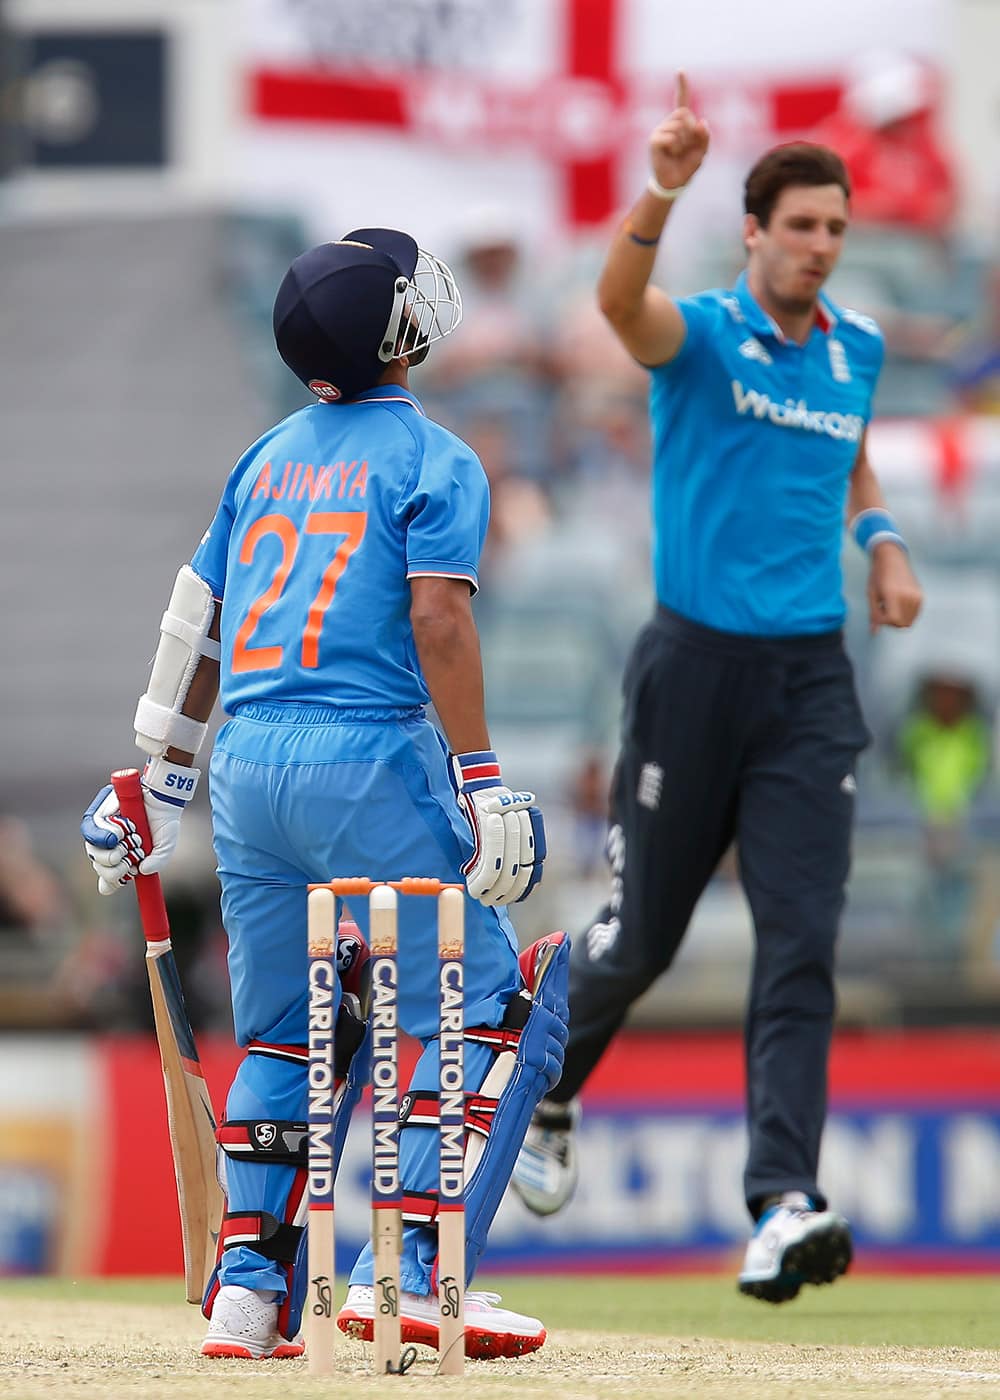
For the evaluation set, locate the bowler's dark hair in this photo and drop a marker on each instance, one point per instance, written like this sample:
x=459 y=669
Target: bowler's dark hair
x=797 y=163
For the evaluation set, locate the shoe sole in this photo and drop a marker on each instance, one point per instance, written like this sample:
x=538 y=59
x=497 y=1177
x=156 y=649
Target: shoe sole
x=542 y=1202
x=538 y=1205
x=820 y=1258
x=242 y=1353
x=480 y=1345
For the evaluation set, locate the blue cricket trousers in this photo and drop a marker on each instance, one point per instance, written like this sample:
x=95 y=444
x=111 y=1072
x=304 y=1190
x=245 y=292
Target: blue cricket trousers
x=303 y=793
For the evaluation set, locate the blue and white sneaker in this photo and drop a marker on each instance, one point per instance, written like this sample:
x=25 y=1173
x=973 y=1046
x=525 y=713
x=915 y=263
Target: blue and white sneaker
x=794 y=1243
x=546 y=1170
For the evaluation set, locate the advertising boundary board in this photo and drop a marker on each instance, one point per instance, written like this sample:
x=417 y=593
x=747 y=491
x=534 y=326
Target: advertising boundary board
x=911 y=1155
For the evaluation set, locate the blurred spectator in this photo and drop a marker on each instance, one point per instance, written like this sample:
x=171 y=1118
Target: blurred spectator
x=32 y=901
x=884 y=130
x=601 y=461
x=600 y=431
x=99 y=984
x=945 y=747
x=102 y=979
x=975 y=368
x=588 y=795
x=56 y=968
x=503 y=328
x=519 y=508
x=500 y=364
x=68 y=960
x=587 y=356
x=903 y=267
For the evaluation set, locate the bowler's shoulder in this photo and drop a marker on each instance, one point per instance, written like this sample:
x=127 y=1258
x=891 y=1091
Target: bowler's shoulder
x=720 y=303
x=710 y=316
x=862 y=331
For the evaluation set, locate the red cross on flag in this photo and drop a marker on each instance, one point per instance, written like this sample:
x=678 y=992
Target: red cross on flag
x=545 y=105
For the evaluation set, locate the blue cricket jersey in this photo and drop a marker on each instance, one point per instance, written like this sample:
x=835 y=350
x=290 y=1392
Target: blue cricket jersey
x=754 y=438
x=322 y=523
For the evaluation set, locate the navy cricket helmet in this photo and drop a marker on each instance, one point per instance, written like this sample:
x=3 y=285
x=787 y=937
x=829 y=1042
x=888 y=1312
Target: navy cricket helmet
x=345 y=310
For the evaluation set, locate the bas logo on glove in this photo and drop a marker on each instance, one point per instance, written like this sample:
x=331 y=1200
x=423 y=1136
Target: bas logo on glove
x=508 y=833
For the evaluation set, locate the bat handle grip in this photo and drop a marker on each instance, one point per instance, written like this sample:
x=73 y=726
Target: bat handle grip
x=149 y=891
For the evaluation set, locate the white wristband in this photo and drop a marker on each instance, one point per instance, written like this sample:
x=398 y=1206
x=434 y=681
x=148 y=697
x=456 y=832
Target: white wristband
x=661 y=192
x=158 y=728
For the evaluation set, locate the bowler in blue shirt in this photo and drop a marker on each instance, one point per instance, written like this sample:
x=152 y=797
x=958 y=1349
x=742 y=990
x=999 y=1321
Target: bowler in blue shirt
x=741 y=722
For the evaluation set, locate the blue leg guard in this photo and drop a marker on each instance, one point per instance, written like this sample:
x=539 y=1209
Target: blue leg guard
x=263 y=1242
x=517 y=1088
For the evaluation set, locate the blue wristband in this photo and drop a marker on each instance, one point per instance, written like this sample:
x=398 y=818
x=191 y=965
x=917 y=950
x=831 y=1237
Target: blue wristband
x=874 y=527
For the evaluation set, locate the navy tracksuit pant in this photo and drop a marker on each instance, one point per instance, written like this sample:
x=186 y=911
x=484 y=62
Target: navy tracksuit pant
x=725 y=738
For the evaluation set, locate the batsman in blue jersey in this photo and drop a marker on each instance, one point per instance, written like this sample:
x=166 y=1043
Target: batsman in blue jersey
x=741 y=722
x=328 y=604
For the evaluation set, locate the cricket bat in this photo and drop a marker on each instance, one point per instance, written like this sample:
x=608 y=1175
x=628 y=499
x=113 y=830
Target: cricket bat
x=190 y=1119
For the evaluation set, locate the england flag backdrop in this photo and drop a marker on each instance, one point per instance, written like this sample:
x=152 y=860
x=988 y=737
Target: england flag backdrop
x=412 y=113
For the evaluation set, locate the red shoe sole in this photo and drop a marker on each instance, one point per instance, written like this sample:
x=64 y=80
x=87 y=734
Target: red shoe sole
x=480 y=1345
x=245 y=1354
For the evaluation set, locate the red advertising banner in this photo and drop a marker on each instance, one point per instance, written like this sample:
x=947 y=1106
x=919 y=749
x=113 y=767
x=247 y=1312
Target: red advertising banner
x=917 y=1114
x=911 y=1155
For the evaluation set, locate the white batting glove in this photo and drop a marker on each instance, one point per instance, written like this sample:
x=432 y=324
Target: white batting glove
x=111 y=840
x=507 y=831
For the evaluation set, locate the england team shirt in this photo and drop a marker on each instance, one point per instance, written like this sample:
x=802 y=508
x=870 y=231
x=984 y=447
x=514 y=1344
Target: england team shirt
x=754 y=439
x=322 y=523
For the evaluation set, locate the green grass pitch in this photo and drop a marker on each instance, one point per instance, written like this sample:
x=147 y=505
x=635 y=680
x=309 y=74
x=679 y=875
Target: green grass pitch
x=868 y=1310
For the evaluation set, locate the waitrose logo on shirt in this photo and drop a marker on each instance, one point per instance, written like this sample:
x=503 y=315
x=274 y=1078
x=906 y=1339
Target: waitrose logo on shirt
x=796 y=413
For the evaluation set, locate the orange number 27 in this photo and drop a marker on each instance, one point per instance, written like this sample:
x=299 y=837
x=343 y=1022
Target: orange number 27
x=351 y=524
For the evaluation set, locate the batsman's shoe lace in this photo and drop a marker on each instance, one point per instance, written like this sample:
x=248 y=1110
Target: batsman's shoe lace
x=794 y=1243
x=546 y=1170
x=490 y=1331
x=245 y=1324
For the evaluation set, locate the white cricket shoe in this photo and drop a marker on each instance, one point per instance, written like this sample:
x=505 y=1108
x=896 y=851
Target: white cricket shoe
x=794 y=1244
x=490 y=1331
x=245 y=1324
x=546 y=1170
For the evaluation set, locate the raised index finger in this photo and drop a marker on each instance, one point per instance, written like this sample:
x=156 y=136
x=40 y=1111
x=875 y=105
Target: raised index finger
x=682 y=90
